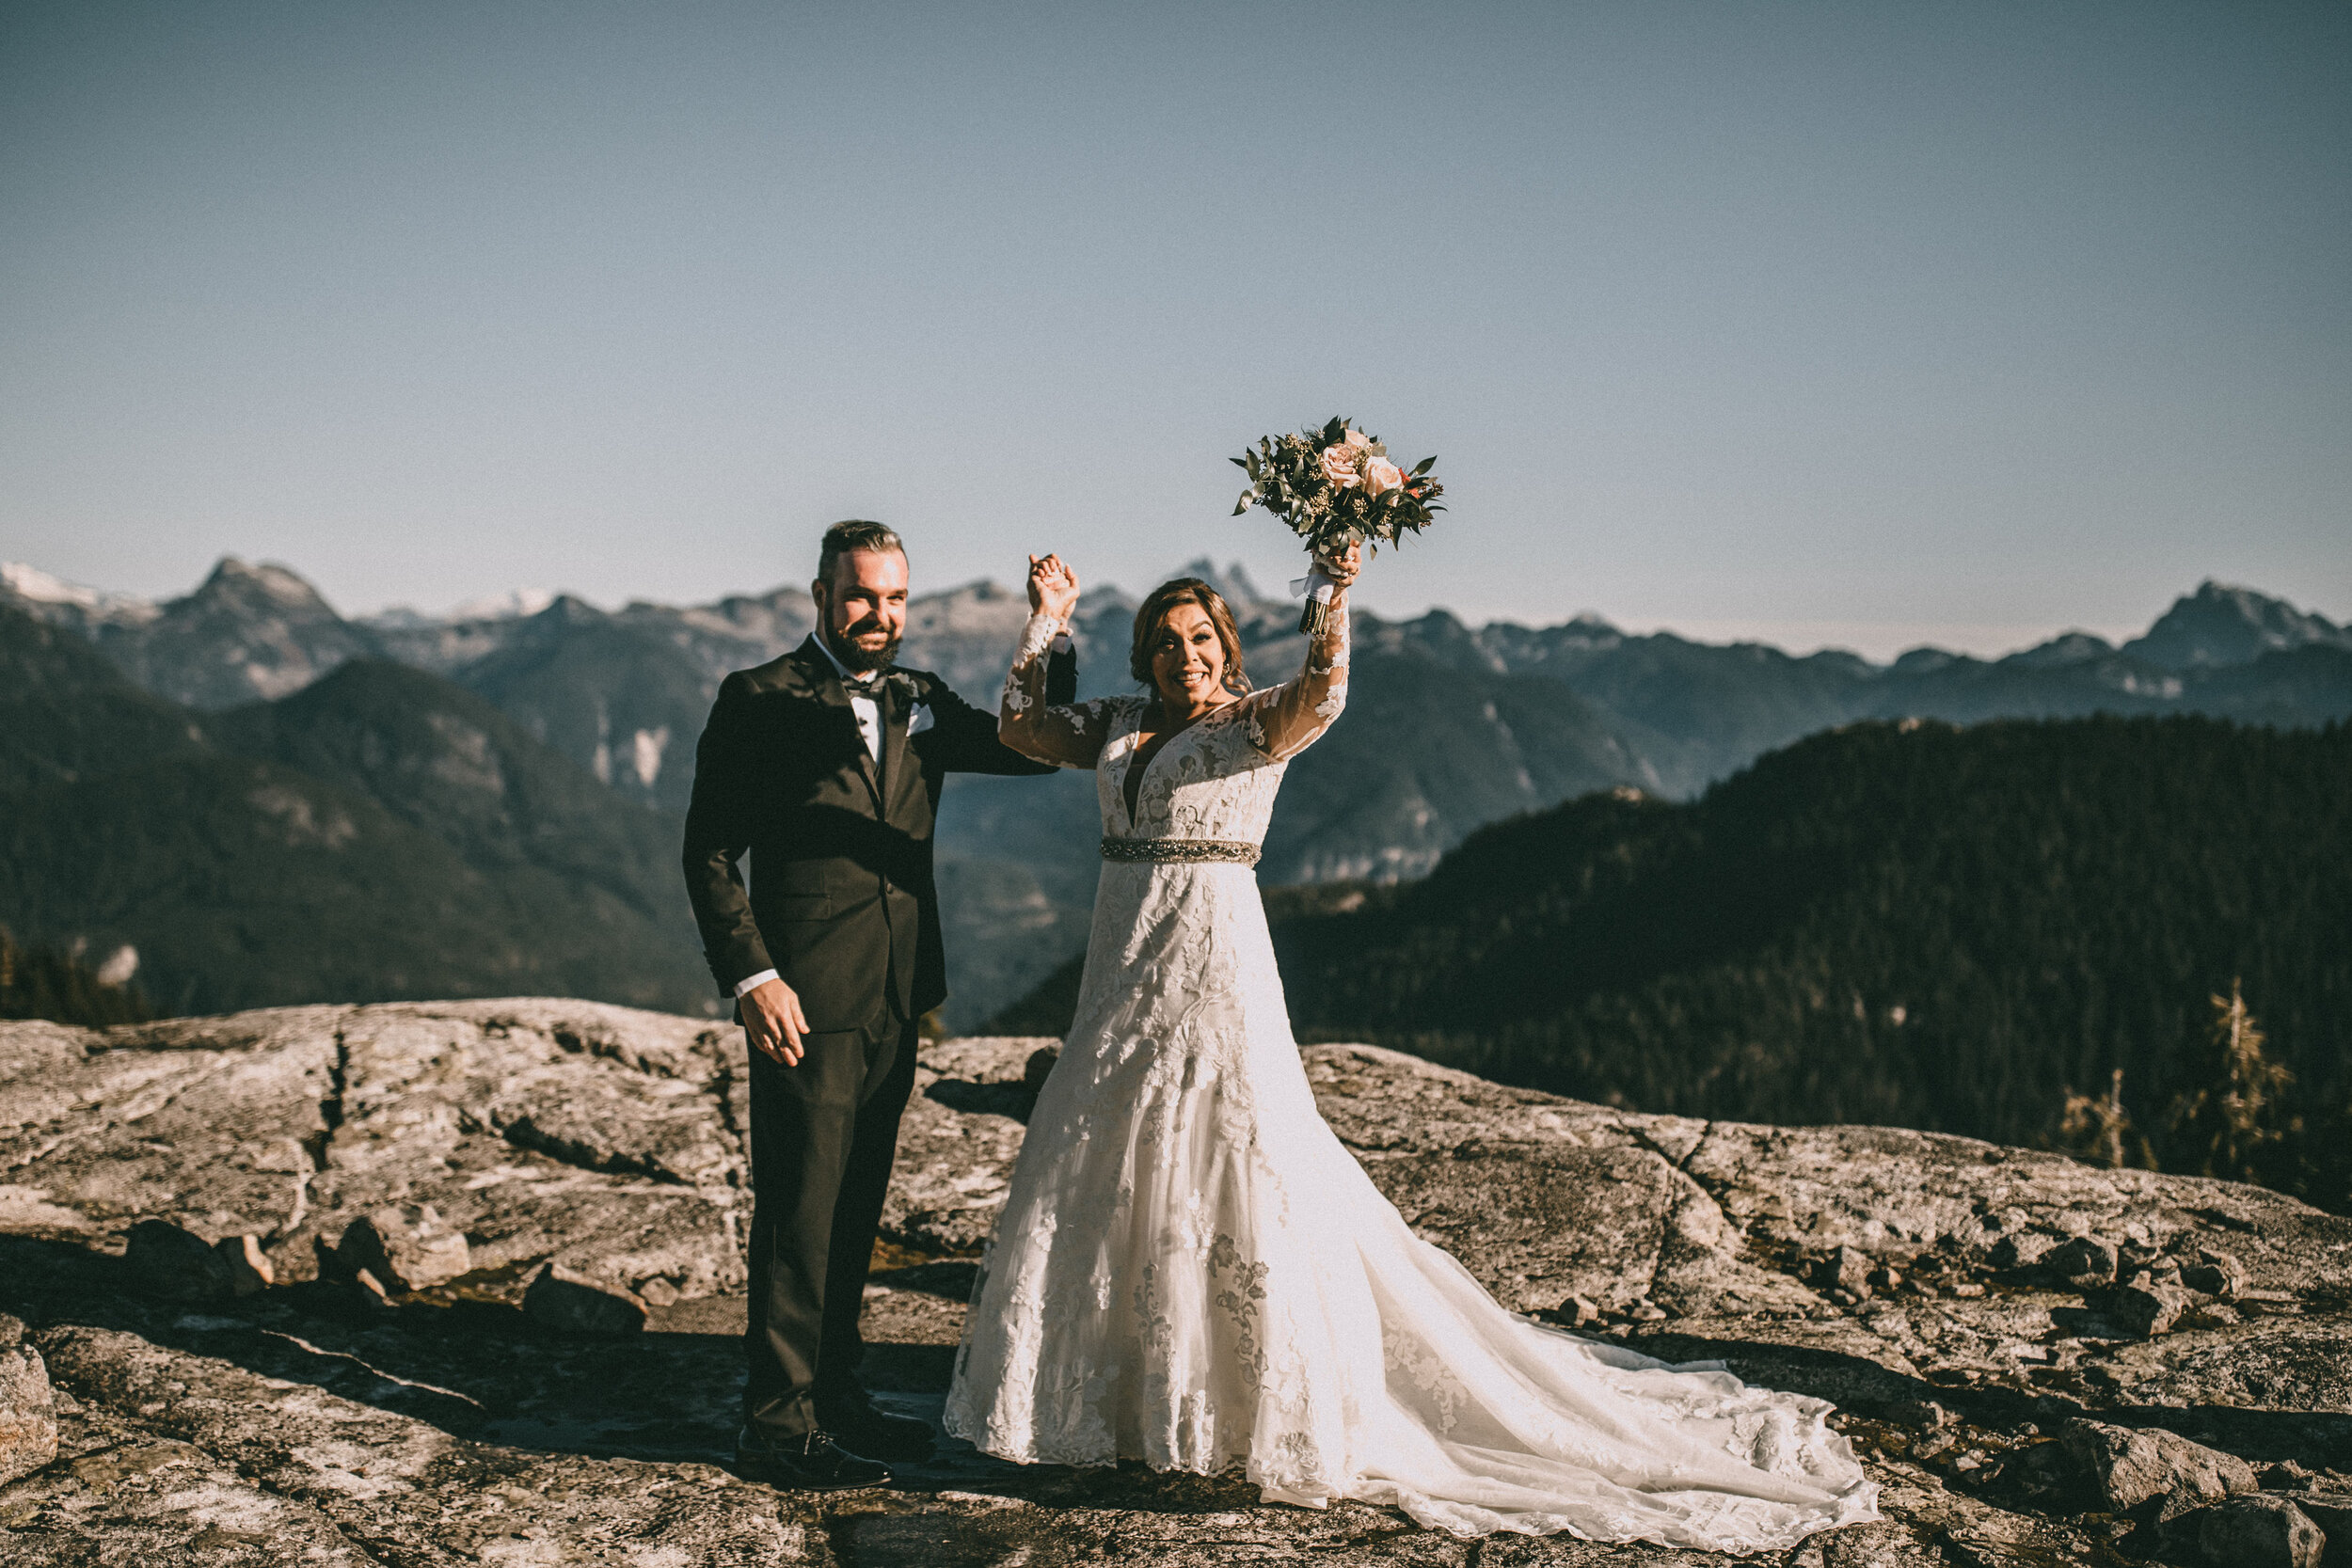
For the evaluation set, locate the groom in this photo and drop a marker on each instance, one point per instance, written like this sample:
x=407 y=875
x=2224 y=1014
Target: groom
x=826 y=766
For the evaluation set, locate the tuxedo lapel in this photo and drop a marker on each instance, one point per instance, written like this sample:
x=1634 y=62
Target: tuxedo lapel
x=825 y=681
x=898 y=710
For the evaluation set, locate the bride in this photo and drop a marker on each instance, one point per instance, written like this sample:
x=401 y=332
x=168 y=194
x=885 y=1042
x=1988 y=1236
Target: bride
x=1192 y=1271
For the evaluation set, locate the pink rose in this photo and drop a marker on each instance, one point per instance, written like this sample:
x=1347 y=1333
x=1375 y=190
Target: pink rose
x=1381 y=476
x=1339 y=466
x=1357 y=438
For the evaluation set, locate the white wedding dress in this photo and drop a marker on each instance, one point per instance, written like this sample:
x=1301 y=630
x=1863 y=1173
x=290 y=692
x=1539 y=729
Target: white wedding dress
x=1192 y=1271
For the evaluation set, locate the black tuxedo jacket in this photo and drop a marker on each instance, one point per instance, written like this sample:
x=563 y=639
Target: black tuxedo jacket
x=841 y=903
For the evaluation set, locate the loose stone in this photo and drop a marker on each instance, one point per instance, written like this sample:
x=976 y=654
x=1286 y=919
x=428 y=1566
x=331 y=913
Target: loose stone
x=405 y=1249
x=2084 y=1262
x=2145 y=1309
x=564 y=1301
x=2129 y=1465
x=2260 y=1532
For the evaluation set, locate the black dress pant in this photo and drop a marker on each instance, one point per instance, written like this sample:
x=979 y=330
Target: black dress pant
x=823 y=1135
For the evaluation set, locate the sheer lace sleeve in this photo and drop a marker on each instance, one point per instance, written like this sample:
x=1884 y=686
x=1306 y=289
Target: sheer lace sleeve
x=1284 y=719
x=1067 y=737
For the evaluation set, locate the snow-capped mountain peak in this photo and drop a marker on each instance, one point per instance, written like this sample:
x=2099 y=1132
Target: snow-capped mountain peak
x=2220 y=624
x=54 y=598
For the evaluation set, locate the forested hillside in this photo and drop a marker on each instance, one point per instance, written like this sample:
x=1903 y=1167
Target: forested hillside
x=1902 y=924
x=380 y=835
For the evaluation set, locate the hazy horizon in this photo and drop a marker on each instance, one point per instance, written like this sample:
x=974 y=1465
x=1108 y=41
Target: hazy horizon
x=1880 y=643
x=1819 y=323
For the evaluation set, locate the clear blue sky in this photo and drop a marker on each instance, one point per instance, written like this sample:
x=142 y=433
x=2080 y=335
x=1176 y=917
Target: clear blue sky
x=1868 y=324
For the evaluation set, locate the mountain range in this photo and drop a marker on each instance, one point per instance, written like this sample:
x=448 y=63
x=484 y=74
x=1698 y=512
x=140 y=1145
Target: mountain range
x=1449 y=726
x=379 y=834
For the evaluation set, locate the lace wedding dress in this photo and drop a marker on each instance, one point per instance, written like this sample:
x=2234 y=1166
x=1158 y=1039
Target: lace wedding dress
x=1191 y=1270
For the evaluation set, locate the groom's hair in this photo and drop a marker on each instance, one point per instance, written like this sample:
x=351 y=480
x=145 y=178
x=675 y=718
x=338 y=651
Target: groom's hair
x=1166 y=596
x=849 y=534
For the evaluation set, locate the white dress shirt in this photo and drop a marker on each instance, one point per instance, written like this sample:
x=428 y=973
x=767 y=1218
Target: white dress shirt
x=861 y=690
x=869 y=712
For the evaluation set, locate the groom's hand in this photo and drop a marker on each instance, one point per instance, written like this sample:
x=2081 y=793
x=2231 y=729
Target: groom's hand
x=773 y=1021
x=1052 y=588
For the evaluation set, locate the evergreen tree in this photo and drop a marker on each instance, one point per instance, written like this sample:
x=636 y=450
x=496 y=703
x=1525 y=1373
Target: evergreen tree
x=2097 y=1130
x=2236 y=1123
x=44 y=983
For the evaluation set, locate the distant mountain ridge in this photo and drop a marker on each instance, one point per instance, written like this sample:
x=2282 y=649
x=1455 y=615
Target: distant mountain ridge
x=246 y=633
x=1449 y=727
x=2219 y=625
x=379 y=834
x=1698 y=712
x=260 y=631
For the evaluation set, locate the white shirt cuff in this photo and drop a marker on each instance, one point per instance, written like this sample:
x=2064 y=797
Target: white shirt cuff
x=753 y=982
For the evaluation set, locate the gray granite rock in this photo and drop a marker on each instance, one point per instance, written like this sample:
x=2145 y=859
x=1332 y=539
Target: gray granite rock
x=2145 y=1309
x=2129 y=1466
x=534 y=1127
x=400 y=1489
x=28 y=1413
x=2329 y=1507
x=602 y=1151
x=406 y=1248
x=2215 y=1273
x=2085 y=1260
x=957 y=1144
x=124 y=1495
x=2021 y=1249
x=2259 y=1532
x=1846 y=1269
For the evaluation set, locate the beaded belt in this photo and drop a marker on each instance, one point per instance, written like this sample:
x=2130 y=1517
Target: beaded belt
x=1179 y=850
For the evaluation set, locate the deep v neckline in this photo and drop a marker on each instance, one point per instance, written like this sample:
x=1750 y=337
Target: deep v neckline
x=1138 y=766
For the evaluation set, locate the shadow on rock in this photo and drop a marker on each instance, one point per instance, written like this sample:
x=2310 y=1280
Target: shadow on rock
x=1013 y=1101
x=477 y=1369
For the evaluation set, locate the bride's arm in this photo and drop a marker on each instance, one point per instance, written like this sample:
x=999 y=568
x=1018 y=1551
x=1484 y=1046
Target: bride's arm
x=1286 y=719
x=1070 y=736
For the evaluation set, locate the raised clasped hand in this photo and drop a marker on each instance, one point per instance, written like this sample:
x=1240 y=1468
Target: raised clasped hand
x=1052 y=588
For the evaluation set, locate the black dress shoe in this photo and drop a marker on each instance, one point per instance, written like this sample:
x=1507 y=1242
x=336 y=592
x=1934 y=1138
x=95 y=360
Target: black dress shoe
x=812 y=1464
x=853 y=1418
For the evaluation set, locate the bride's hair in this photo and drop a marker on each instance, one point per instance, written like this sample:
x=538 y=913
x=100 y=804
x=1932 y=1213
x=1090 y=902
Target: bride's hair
x=1166 y=596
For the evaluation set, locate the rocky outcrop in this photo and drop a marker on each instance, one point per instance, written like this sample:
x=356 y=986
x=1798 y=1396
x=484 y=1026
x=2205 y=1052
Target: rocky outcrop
x=432 y=1142
x=436 y=1283
x=29 y=1421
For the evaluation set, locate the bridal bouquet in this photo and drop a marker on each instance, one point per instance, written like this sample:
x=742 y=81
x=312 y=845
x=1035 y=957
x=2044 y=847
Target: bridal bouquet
x=1336 y=487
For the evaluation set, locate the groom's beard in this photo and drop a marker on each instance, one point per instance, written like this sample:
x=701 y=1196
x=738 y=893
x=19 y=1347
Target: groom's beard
x=858 y=660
